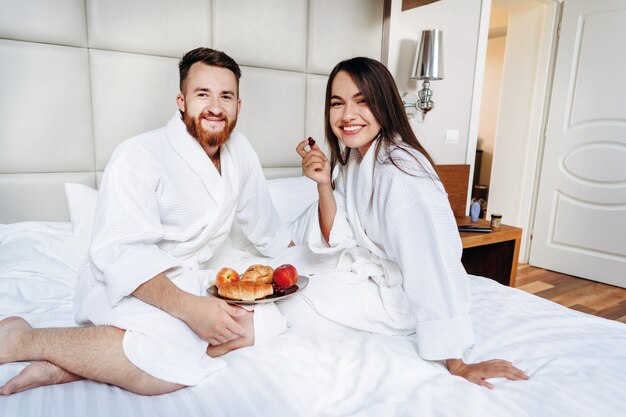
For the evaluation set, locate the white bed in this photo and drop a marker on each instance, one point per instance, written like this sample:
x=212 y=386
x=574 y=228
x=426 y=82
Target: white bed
x=576 y=362
x=103 y=59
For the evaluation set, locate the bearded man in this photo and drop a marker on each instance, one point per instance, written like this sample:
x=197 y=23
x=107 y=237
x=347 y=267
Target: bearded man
x=167 y=201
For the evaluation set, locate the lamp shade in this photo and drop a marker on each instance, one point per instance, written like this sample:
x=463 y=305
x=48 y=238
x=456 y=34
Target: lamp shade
x=429 y=56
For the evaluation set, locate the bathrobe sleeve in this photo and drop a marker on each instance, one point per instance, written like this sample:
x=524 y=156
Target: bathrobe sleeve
x=422 y=238
x=127 y=225
x=306 y=229
x=256 y=213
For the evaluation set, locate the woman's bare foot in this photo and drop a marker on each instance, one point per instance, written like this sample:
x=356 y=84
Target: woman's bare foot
x=246 y=321
x=37 y=374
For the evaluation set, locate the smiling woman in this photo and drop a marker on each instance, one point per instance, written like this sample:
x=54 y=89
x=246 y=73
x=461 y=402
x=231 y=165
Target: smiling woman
x=388 y=208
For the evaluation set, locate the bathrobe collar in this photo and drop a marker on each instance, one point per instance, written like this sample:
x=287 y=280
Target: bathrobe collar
x=188 y=148
x=360 y=193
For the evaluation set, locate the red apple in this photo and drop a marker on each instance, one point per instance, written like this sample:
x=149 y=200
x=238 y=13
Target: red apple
x=226 y=276
x=285 y=276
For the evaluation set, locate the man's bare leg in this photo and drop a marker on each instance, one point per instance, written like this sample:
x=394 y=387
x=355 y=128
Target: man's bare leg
x=90 y=352
x=247 y=322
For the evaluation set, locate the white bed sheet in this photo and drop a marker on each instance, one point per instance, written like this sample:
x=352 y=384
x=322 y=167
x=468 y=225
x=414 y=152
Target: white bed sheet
x=576 y=362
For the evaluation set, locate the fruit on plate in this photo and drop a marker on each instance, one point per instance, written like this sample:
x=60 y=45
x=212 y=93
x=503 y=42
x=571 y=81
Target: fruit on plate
x=285 y=276
x=226 y=276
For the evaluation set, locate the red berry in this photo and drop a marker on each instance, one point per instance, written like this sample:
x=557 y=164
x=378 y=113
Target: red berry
x=277 y=289
x=311 y=142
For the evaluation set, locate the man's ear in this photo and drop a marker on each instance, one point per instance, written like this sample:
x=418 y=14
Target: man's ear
x=238 y=105
x=180 y=102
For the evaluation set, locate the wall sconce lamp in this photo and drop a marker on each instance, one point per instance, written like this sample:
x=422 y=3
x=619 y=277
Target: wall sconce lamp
x=428 y=66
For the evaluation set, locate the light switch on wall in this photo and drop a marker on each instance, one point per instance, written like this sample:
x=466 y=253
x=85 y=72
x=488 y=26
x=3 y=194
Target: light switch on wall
x=452 y=136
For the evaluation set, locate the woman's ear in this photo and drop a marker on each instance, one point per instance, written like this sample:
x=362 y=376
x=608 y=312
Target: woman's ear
x=180 y=102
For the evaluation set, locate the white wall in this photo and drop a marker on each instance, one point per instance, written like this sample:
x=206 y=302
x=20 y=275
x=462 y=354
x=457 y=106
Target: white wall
x=453 y=96
x=490 y=104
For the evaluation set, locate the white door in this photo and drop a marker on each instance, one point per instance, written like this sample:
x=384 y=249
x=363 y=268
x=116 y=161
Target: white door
x=580 y=222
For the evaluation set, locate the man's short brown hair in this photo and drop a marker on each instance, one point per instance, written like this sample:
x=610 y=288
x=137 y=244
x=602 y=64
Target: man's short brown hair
x=210 y=57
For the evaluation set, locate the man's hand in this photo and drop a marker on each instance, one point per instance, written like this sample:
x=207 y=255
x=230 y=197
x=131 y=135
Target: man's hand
x=210 y=318
x=214 y=320
x=247 y=322
x=479 y=372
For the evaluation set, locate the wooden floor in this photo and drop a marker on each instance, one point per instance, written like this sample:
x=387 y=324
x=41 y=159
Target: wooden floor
x=580 y=294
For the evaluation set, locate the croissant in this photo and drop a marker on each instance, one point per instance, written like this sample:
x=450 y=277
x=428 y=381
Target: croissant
x=245 y=291
x=258 y=273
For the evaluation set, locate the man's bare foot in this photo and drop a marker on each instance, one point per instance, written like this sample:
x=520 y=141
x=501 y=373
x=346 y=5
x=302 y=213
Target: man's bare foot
x=37 y=374
x=11 y=329
x=247 y=322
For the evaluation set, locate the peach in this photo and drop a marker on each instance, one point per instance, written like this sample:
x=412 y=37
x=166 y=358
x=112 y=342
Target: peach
x=226 y=276
x=285 y=276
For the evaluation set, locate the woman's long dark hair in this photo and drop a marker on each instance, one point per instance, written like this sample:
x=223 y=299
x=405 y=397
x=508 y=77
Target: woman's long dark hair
x=379 y=90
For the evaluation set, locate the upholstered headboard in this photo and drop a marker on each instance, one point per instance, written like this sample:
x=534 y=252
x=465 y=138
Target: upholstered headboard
x=79 y=76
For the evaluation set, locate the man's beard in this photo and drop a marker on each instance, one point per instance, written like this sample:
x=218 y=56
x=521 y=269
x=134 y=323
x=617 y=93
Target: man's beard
x=210 y=139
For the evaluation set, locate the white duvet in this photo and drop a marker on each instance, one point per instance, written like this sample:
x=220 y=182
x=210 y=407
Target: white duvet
x=576 y=362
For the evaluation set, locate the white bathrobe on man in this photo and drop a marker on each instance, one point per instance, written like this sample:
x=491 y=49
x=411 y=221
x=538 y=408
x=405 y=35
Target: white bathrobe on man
x=397 y=253
x=163 y=206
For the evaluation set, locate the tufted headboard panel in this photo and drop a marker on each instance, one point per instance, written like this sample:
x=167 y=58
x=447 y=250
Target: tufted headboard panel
x=77 y=77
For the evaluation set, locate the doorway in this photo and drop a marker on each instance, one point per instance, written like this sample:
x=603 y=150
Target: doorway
x=516 y=90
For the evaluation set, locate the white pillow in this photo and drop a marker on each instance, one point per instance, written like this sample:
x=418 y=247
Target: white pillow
x=291 y=196
x=81 y=201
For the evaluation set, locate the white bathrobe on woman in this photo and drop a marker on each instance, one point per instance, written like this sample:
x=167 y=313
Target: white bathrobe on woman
x=398 y=256
x=163 y=206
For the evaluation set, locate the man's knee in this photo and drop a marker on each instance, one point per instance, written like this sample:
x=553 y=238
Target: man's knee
x=142 y=383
